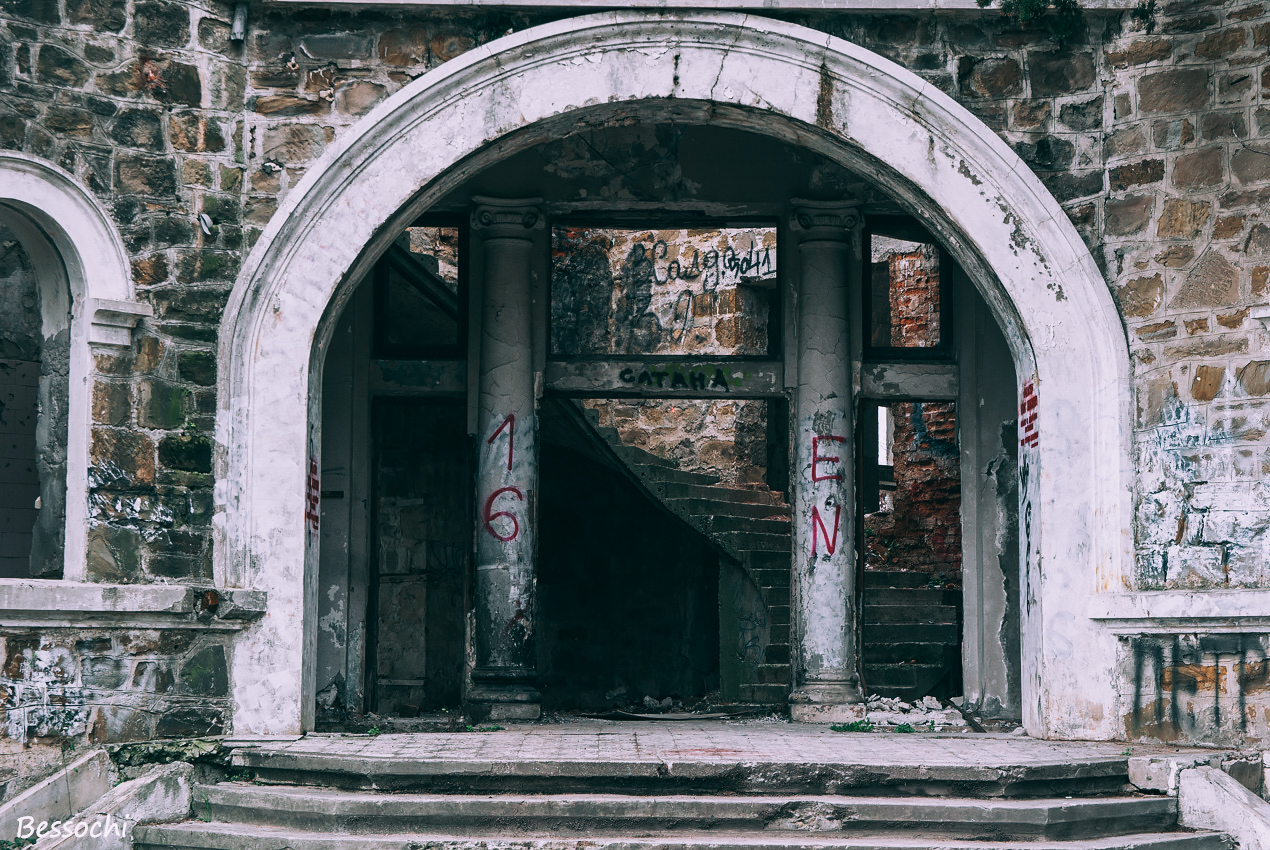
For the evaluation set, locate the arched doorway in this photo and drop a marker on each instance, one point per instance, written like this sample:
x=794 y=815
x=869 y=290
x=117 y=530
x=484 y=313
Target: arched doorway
x=763 y=76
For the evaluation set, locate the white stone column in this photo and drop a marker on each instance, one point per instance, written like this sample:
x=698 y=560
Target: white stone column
x=507 y=467
x=828 y=686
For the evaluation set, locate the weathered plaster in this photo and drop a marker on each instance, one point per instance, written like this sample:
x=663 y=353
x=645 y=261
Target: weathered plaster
x=941 y=163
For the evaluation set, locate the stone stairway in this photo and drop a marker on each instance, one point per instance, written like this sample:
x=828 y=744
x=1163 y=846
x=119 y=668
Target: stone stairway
x=749 y=524
x=381 y=797
x=911 y=645
x=911 y=632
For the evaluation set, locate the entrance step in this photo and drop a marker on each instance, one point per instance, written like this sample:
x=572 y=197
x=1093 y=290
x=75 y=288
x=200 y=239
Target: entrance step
x=910 y=614
x=671 y=490
x=903 y=680
x=201 y=836
x=944 y=633
x=911 y=653
x=712 y=507
x=895 y=578
x=719 y=523
x=334 y=810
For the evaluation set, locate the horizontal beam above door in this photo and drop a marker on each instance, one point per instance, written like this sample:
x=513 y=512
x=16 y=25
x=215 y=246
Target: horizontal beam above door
x=667 y=378
x=909 y=381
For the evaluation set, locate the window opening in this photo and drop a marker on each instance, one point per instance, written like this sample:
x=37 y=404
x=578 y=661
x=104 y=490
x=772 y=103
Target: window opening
x=907 y=304
x=420 y=295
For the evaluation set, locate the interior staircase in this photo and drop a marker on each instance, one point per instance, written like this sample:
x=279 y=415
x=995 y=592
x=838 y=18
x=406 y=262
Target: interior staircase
x=577 y=803
x=911 y=631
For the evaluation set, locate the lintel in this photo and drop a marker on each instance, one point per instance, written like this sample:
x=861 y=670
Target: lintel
x=70 y=604
x=1173 y=611
x=868 y=6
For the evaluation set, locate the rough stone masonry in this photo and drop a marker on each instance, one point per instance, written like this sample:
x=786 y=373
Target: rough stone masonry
x=1155 y=140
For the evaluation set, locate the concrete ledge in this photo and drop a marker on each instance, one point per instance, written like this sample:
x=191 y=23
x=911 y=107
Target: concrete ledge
x=67 y=603
x=1171 y=610
x=1210 y=799
x=59 y=796
x=764 y=5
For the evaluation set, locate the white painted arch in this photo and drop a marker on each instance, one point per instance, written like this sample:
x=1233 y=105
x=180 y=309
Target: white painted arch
x=734 y=70
x=85 y=283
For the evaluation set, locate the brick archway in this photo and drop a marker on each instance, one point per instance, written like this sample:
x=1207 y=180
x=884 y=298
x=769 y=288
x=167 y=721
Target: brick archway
x=734 y=70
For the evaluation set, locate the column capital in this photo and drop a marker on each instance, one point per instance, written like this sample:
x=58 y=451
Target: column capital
x=826 y=220
x=507 y=219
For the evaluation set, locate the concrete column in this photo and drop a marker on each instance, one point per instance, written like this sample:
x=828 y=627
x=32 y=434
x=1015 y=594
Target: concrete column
x=507 y=466
x=828 y=686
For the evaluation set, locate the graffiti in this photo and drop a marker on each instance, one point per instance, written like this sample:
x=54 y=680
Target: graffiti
x=490 y=514
x=312 y=495
x=817 y=458
x=831 y=541
x=690 y=380
x=1027 y=417
x=510 y=424
x=1184 y=683
x=708 y=267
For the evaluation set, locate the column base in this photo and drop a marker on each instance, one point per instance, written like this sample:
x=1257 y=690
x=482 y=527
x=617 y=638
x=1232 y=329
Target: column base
x=827 y=702
x=809 y=712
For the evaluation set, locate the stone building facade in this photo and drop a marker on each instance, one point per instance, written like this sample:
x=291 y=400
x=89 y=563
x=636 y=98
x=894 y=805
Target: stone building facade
x=196 y=210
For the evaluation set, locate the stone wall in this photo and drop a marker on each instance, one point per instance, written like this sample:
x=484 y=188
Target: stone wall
x=1154 y=140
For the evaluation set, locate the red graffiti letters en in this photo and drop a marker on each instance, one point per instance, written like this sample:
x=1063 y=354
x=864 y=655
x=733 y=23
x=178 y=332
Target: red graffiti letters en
x=510 y=424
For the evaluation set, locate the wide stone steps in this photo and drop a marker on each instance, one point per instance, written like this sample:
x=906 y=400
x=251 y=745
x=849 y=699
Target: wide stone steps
x=212 y=836
x=330 y=810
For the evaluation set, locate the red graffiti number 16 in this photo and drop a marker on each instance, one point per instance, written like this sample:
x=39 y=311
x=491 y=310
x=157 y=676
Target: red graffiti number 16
x=489 y=514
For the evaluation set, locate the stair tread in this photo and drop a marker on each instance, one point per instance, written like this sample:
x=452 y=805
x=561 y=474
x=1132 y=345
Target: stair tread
x=235 y=836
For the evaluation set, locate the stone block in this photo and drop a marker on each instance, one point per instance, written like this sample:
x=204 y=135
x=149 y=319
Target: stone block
x=67 y=121
x=1207 y=382
x=404 y=47
x=138 y=128
x=1047 y=152
x=1175 y=90
x=204 y=673
x=214 y=34
x=1066 y=186
x=112 y=403
x=287 y=106
x=1251 y=164
x=196 y=172
x=358 y=97
x=1085 y=115
x=989 y=78
x=205 y=304
x=1175 y=256
x=1129 y=215
x=1183 y=219
x=196 y=266
x=1029 y=114
x=1141 y=52
x=188 y=452
x=1059 y=73
x=161 y=405
x=335 y=46
x=1141 y=296
x=446 y=45
x=145 y=175
x=12 y=132
x=121 y=459
x=1196 y=566
x=113 y=554
x=161 y=24
x=190 y=723
x=193 y=133
x=294 y=143
x=1194 y=23
x=104 y=673
x=1215 y=45
x=1199 y=170
x=56 y=66
x=1160 y=773
x=1223 y=125
x=1157 y=331
x=1136 y=174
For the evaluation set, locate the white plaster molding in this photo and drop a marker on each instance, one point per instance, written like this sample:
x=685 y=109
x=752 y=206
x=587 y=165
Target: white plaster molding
x=741 y=71
x=78 y=257
x=1180 y=611
x=1262 y=315
x=113 y=321
x=67 y=604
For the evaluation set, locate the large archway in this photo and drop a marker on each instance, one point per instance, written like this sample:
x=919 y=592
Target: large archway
x=782 y=80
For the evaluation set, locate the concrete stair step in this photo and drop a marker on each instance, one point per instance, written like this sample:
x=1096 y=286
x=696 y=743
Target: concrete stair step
x=722 y=523
x=770 y=694
x=671 y=474
x=772 y=674
x=915 y=678
x=911 y=596
x=740 y=541
x=720 y=507
x=233 y=836
x=333 y=810
x=677 y=490
x=921 y=653
x=878 y=633
x=895 y=578
x=910 y=614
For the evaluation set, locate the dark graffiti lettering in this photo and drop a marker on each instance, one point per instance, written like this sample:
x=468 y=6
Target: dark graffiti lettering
x=698 y=380
x=627 y=376
x=719 y=381
x=678 y=381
